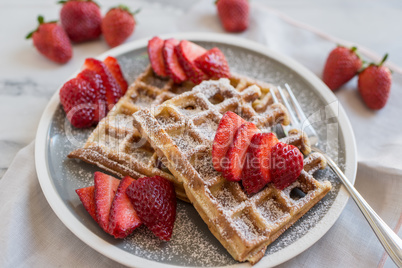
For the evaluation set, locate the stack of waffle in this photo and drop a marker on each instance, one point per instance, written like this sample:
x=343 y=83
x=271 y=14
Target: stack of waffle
x=173 y=136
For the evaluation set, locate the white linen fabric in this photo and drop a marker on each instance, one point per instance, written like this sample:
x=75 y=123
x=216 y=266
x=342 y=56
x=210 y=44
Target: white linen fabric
x=32 y=235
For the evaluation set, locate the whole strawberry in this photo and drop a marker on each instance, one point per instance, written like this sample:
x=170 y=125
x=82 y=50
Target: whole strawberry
x=81 y=19
x=154 y=200
x=51 y=41
x=117 y=25
x=234 y=14
x=375 y=85
x=341 y=66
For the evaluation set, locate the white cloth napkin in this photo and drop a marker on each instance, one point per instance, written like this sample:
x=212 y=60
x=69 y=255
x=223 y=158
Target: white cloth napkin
x=32 y=235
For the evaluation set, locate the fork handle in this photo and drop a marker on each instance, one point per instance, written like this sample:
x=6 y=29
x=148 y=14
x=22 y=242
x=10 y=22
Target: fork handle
x=388 y=238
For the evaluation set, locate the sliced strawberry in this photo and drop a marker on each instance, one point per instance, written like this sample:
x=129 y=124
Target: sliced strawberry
x=87 y=197
x=105 y=190
x=256 y=171
x=154 y=199
x=286 y=163
x=114 y=67
x=95 y=80
x=213 y=63
x=225 y=133
x=236 y=155
x=173 y=67
x=123 y=219
x=113 y=90
x=155 y=55
x=78 y=98
x=187 y=52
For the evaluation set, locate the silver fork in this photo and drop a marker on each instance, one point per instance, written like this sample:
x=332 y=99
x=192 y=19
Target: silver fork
x=390 y=241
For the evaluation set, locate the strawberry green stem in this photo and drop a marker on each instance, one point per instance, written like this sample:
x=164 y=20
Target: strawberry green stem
x=383 y=59
x=41 y=20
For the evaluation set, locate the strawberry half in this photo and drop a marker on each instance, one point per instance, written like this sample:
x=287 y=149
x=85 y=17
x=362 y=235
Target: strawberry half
x=225 y=133
x=256 y=171
x=87 y=197
x=236 y=154
x=105 y=190
x=155 y=46
x=213 y=63
x=123 y=219
x=173 y=67
x=286 y=163
x=187 y=52
x=95 y=80
x=154 y=199
x=114 y=67
x=113 y=90
x=78 y=98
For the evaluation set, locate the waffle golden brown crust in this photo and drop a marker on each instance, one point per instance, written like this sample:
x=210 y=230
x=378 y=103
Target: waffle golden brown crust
x=245 y=225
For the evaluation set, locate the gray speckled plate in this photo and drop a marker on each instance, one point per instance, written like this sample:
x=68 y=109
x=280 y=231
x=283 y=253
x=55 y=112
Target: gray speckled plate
x=192 y=244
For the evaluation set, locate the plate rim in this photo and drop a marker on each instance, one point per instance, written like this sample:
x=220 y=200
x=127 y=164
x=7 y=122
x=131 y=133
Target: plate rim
x=126 y=258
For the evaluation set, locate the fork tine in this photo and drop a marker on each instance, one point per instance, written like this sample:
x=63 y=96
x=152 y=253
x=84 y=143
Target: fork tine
x=274 y=97
x=293 y=117
x=303 y=119
x=280 y=130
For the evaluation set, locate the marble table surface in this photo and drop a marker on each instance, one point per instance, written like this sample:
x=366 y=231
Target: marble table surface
x=28 y=80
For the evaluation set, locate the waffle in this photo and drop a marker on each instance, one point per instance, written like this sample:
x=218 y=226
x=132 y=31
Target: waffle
x=117 y=147
x=245 y=225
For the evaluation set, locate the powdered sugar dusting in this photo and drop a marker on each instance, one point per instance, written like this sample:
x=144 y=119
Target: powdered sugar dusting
x=186 y=141
x=226 y=199
x=203 y=165
x=165 y=121
x=207 y=128
x=271 y=210
x=246 y=227
x=143 y=101
x=192 y=243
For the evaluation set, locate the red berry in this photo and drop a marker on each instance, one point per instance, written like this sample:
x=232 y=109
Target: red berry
x=51 y=41
x=105 y=190
x=375 y=85
x=113 y=90
x=117 y=25
x=95 y=80
x=173 y=67
x=78 y=97
x=286 y=164
x=155 y=46
x=236 y=155
x=187 y=52
x=114 y=67
x=213 y=63
x=234 y=14
x=87 y=197
x=123 y=219
x=154 y=199
x=341 y=66
x=81 y=20
x=225 y=133
x=256 y=171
